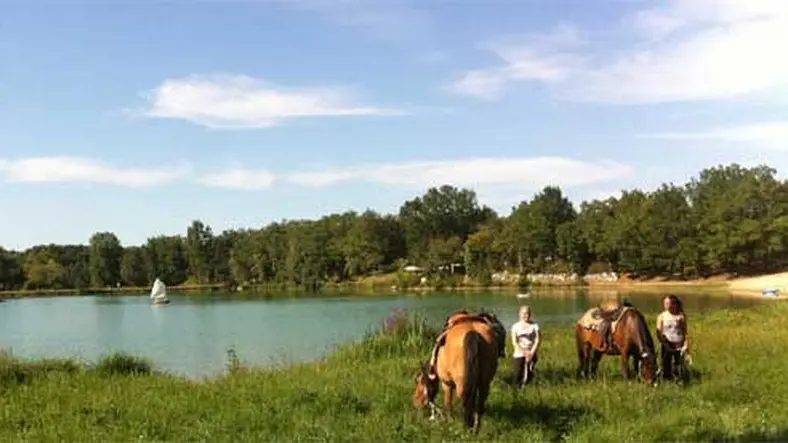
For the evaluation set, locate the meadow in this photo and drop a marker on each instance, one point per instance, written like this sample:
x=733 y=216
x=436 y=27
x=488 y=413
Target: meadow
x=362 y=392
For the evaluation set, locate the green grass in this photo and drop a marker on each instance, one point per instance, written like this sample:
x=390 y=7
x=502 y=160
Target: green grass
x=363 y=393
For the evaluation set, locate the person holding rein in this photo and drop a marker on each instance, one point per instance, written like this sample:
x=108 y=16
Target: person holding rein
x=672 y=334
x=526 y=339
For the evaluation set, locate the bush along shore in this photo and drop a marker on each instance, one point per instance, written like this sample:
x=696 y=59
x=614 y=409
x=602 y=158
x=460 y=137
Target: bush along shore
x=362 y=392
x=729 y=220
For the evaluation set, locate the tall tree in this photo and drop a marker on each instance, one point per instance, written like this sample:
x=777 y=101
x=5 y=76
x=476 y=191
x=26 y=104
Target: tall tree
x=11 y=274
x=132 y=267
x=106 y=253
x=199 y=251
x=441 y=213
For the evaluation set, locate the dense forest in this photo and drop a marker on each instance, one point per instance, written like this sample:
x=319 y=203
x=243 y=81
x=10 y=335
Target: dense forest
x=728 y=219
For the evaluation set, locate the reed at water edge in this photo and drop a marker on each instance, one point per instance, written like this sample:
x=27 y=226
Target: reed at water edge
x=362 y=392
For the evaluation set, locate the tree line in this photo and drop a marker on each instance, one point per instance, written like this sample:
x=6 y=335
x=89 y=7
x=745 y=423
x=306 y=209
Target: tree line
x=728 y=219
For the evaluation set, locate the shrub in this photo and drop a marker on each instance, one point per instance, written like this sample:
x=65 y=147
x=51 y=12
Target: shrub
x=122 y=364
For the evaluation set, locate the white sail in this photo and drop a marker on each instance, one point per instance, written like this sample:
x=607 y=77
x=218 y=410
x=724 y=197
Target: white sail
x=159 y=291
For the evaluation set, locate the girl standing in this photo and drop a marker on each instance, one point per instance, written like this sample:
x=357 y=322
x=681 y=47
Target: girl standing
x=672 y=334
x=525 y=338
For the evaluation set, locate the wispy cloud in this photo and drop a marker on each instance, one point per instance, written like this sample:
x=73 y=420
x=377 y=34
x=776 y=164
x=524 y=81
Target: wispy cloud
x=536 y=57
x=85 y=170
x=384 y=19
x=500 y=182
x=523 y=172
x=238 y=178
x=237 y=101
x=771 y=135
x=687 y=50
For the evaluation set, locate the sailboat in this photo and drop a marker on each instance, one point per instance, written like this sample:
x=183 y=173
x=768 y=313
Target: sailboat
x=158 y=293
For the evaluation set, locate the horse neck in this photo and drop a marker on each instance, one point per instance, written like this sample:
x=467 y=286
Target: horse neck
x=639 y=328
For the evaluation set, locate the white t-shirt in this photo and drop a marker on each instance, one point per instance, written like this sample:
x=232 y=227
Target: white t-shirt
x=672 y=327
x=525 y=336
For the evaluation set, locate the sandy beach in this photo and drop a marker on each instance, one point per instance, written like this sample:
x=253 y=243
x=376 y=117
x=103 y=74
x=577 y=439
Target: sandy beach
x=754 y=285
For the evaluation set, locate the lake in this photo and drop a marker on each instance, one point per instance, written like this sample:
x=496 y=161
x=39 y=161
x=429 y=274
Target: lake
x=192 y=334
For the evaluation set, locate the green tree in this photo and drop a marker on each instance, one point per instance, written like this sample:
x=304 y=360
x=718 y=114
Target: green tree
x=43 y=271
x=482 y=253
x=199 y=251
x=165 y=258
x=11 y=274
x=440 y=213
x=105 y=255
x=132 y=267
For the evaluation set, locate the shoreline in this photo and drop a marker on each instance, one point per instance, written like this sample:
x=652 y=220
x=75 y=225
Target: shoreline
x=745 y=286
x=123 y=290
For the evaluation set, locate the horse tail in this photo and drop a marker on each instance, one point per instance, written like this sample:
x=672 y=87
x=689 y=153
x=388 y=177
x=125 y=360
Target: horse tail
x=472 y=343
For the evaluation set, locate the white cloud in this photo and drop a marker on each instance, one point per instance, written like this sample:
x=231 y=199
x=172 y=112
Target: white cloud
x=236 y=101
x=238 y=178
x=535 y=57
x=689 y=50
x=520 y=172
x=772 y=135
x=678 y=15
x=85 y=170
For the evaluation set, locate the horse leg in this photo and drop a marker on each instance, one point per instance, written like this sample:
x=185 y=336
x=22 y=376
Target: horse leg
x=594 y=362
x=583 y=351
x=636 y=364
x=448 y=392
x=481 y=401
x=625 y=364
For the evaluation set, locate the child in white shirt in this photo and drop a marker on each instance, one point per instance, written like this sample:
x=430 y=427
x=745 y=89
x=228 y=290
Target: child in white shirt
x=525 y=340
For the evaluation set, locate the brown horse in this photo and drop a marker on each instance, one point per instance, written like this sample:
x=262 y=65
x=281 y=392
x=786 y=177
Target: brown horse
x=466 y=363
x=630 y=339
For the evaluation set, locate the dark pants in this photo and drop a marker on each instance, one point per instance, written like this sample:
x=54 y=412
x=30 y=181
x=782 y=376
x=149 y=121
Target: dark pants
x=519 y=369
x=671 y=361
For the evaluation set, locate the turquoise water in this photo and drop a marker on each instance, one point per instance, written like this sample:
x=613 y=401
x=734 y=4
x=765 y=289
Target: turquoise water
x=192 y=334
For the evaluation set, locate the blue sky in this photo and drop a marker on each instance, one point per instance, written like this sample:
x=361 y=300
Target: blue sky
x=138 y=117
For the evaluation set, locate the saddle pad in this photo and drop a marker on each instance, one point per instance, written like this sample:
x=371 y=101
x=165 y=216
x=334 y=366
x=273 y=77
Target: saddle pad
x=590 y=320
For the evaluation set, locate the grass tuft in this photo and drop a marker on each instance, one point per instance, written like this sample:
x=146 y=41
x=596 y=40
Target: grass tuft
x=122 y=364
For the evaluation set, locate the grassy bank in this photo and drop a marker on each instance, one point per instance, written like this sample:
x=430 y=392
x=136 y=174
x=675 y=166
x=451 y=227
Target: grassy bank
x=362 y=393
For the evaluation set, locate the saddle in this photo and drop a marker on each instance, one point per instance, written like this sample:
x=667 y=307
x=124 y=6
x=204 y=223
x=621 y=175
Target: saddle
x=595 y=317
x=465 y=317
x=603 y=320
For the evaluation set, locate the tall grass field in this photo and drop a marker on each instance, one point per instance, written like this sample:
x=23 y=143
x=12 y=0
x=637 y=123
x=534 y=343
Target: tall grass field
x=362 y=392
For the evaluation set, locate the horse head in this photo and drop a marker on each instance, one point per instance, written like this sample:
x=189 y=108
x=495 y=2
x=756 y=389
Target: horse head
x=648 y=367
x=426 y=389
x=499 y=328
x=647 y=353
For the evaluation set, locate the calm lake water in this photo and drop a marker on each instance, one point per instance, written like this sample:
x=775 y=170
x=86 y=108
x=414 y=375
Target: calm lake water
x=192 y=334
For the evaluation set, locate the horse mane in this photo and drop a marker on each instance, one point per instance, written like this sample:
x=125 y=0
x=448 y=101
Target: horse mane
x=643 y=329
